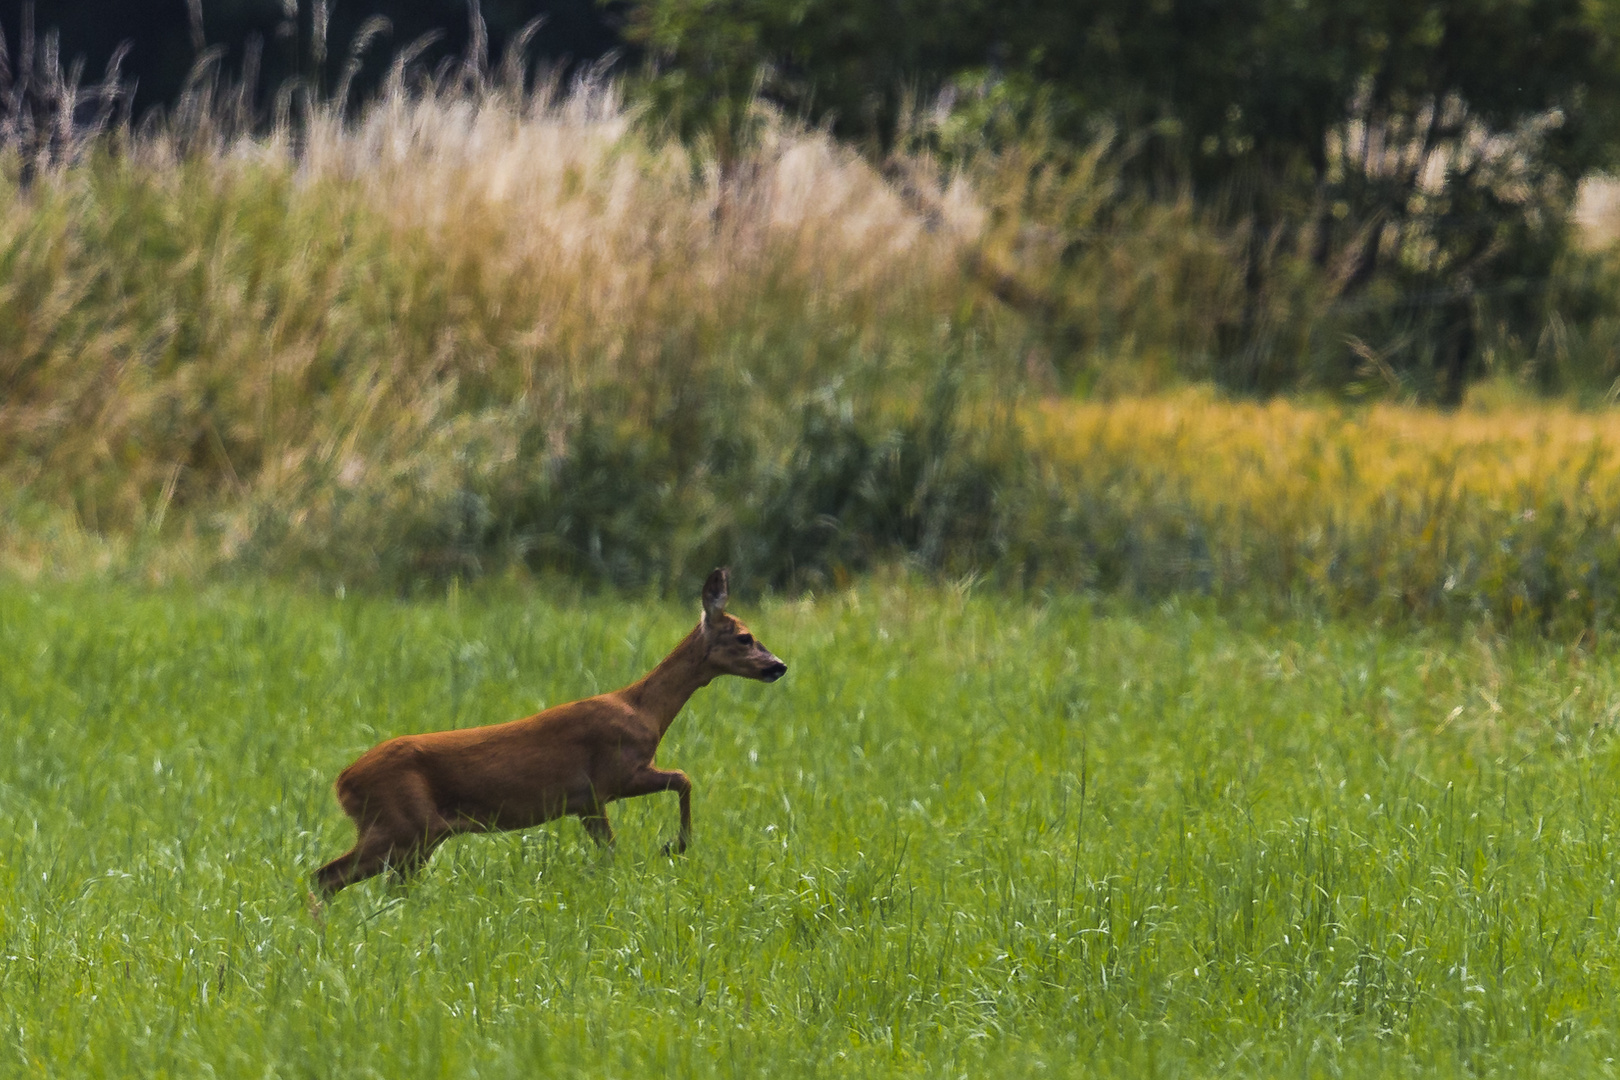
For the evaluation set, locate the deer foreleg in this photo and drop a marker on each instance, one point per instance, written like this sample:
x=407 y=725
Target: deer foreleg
x=650 y=781
x=598 y=827
x=684 y=837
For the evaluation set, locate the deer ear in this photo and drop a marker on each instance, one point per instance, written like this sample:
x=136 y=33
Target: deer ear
x=715 y=592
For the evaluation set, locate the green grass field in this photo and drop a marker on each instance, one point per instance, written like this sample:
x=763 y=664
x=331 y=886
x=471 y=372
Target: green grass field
x=967 y=835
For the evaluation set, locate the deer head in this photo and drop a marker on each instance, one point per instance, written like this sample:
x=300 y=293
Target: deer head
x=730 y=647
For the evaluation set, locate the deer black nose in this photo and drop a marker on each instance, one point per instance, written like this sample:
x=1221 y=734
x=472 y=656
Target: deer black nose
x=775 y=670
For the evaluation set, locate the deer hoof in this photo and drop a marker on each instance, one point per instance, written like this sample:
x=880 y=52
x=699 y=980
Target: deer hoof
x=675 y=847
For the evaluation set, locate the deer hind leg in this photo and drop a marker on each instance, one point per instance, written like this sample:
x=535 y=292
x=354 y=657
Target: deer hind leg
x=405 y=863
x=368 y=858
x=397 y=832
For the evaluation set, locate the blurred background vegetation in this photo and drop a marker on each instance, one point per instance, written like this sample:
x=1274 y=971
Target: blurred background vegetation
x=1145 y=297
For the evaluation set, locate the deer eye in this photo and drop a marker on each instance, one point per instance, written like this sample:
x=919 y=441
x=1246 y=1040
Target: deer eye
x=745 y=639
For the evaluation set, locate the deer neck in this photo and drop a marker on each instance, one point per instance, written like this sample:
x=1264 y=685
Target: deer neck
x=661 y=694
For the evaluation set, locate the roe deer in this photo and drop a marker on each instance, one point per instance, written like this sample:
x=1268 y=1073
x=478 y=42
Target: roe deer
x=410 y=794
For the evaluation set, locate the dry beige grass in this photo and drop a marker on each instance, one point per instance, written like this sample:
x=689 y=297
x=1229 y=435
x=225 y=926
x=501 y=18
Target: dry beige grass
x=250 y=323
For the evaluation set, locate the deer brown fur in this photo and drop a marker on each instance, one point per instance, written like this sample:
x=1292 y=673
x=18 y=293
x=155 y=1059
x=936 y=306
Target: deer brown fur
x=411 y=793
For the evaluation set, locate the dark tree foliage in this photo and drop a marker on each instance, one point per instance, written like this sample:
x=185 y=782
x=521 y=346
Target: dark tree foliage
x=1245 y=85
x=163 y=37
x=1427 y=147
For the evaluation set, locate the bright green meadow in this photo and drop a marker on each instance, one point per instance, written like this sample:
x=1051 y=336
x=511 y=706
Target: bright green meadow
x=967 y=835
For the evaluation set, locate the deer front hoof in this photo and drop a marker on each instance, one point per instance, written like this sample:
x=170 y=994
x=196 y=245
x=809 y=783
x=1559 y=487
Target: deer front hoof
x=675 y=847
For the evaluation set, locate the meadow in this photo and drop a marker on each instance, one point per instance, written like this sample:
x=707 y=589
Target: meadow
x=968 y=834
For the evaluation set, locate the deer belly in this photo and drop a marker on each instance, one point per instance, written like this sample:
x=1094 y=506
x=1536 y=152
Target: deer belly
x=517 y=806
